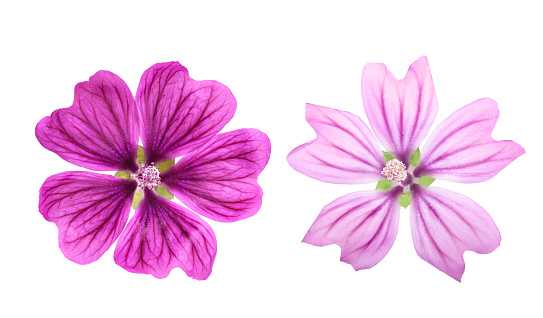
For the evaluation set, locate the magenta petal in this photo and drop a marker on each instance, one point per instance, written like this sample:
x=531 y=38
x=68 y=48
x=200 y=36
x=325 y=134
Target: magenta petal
x=179 y=114
x=100 y=130
x=461 y=148
x=89 y=209
x=400 y=112
x=163 y=235
x=445 y=224
x=364 y=224
x=219 y=180
x=345 y=150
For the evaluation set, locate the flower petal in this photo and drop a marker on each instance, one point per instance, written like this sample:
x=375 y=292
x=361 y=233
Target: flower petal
x=461 y=148
x=445 y=224
x=163 y=235
x=89 y=209
x=400 y=112
x=219 y=180
x=364 y=224
x=100 y=130
x=345 y=151
x=179 y=114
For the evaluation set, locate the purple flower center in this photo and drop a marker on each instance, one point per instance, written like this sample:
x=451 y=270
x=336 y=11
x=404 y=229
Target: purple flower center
x=408 y=180
x=148 y=176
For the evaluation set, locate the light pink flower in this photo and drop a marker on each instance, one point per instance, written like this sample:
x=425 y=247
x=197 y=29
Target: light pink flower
x=444 y=224
x=175 y=116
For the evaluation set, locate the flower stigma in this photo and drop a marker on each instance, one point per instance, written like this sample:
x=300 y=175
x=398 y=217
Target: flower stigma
x=148 y=176
x=395 y=170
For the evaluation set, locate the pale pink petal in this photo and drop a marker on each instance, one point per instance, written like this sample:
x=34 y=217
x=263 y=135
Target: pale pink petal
x=89 y=209
x=219 y=180
x=100 y=131
x=163 y=235
x=445 y=224
x=345 y=151
x=178 y=113
x=462 y=149
x=364 y=224
x=400 y=112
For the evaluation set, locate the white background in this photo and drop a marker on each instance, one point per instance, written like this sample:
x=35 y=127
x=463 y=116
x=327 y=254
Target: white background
x=275 y=58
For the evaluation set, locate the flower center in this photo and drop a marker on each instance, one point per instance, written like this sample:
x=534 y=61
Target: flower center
x=395 y=170
x=148 y=176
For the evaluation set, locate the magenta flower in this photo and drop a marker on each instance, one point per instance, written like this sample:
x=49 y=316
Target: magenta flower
x=444 y=224
x=175 y=116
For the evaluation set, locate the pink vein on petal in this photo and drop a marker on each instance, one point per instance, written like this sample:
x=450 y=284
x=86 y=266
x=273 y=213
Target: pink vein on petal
x=400 y=112
x=461 y=148
x=445 y=224
x=178 y=113
x=364 y=224
x=163 y=235
x=89 y=209
x=219 y=180
x=345 y=150
x=100 y=130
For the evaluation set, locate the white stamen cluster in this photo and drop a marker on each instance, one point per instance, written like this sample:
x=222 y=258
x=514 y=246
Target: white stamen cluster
x=148 y=176
x=395 y=170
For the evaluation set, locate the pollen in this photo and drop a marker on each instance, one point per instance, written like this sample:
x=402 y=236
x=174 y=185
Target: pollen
x=148 y=176
x=395 y=170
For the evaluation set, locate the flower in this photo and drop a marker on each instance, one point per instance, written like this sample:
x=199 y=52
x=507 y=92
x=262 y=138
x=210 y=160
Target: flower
x=175 y=116
x=444 y=224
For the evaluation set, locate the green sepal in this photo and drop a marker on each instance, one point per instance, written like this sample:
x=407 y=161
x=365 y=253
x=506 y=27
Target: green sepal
x=388 y=156
x=123 y=174
x=405 y=200
x=138 y=195
x=141 y=155
x=383 y=185
x=165 y=165
x=163 y=192
x=415 y=157
x=426 y=181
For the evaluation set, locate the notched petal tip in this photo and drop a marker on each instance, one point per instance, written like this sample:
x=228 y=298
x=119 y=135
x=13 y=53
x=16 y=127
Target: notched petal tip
x=162 y=236
x=180 y=114
x=461 y=148
x=89 y=209
x=344 y=152
x=445 y=224
x=219 y=180
x=99 y=131
x=363 y=224
x=400 y=112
